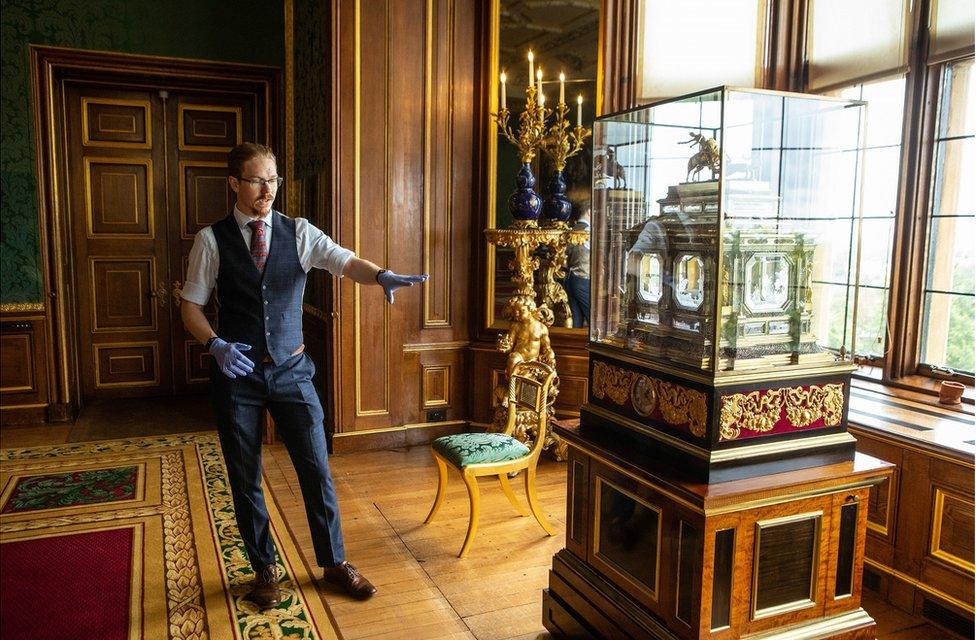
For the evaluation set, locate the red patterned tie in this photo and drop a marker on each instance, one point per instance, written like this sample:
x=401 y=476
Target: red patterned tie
x=259 y=244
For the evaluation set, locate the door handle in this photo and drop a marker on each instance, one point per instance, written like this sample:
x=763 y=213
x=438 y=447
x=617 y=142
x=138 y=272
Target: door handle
x=177 y=292
x=160 y=294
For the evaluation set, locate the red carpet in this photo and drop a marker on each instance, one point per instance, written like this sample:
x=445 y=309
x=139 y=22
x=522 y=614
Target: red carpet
x=78 y=584
x=137 y=540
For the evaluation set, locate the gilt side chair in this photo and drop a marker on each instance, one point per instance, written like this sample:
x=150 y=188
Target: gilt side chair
x=499 y=454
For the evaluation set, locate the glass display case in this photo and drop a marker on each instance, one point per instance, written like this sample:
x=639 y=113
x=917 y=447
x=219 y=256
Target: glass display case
x=726 y=230
x=713 y=489
x=724 y=252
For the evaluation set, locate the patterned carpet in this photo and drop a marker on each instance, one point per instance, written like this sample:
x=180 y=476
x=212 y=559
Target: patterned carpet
x=126 y=539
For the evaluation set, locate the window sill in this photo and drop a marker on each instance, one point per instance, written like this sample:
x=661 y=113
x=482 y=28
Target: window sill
x=913 y=417
x=913 y=386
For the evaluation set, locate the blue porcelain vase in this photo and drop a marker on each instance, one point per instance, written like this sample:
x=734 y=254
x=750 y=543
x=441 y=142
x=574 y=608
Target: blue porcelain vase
x=557 y=206
x=525 y=203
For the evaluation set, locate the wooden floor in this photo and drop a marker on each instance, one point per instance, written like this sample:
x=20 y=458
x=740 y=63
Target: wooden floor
x=425 y=591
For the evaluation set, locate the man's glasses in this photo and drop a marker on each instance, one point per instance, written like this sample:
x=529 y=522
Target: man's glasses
x=274 y=183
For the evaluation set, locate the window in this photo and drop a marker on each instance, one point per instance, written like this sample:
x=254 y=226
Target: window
x=881 y=155
x=692 y=45
x=915 y=293
x=917 y=202
x=946 y=336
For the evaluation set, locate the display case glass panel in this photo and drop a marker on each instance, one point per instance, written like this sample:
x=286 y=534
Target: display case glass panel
x=726 y=230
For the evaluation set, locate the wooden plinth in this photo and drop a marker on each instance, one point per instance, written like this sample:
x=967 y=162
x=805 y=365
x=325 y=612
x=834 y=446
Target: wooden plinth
x=651 y=554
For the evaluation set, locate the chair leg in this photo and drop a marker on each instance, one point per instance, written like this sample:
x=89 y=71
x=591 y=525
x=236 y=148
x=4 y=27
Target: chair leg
x=441 y=488
x=472 y=483
x=507 y=488
x=534 y=501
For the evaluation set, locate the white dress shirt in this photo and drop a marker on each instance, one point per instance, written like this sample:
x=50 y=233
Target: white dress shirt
x=315 y=250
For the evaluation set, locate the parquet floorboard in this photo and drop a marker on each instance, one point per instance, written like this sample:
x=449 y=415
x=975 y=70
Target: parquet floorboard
x=425 y=591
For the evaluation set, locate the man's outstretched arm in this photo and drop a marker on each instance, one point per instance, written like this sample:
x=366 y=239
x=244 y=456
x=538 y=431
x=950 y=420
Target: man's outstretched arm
x=366 y=272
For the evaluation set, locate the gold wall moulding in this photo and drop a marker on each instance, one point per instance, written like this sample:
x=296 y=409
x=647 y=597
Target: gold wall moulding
x=21 y=307
x=678 y=405
x=759 y=411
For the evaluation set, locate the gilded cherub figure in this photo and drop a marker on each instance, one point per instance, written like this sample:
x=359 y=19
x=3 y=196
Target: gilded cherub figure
x=527 y=340
x=528 y=337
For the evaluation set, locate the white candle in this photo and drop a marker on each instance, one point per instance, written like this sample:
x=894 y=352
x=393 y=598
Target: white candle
x=562 y=88
x=538 y=76
x=531 y=70
x=579 y=110
x=503 y=101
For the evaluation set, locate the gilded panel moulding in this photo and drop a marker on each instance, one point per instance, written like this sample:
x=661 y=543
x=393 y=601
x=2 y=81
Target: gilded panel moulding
x=21 y=307
x=760 y=412
x=677 y=405
x=680 y=406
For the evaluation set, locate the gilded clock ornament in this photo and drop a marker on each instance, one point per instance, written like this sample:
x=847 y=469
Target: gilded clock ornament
x=643 y=397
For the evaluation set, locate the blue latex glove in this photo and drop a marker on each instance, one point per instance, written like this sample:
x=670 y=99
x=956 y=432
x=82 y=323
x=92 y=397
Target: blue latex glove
x=391 y=282
x=229 y=358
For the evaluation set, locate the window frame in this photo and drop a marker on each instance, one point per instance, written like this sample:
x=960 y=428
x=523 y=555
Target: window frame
x=902 y=366
x=785 y=68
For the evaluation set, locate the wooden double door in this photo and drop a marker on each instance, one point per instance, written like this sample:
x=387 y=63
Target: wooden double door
x=146 y=170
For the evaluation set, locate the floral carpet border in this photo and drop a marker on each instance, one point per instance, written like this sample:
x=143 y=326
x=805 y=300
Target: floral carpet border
x=187 y=618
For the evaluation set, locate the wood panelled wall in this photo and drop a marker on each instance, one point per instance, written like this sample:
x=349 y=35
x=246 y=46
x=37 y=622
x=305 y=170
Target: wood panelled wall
x=920 y=527
x=24 y=368
x=404 y=84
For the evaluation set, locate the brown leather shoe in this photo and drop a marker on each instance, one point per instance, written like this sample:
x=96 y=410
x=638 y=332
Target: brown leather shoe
x=348 y=577
x=266 y=592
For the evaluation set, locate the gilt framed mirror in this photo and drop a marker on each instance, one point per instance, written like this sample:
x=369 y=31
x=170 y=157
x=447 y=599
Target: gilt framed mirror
x=564 y=37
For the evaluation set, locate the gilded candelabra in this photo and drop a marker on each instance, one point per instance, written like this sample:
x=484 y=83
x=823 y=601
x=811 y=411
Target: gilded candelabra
x=528 y=335
x=561 y=142
x=532 y=125
x=524 y=203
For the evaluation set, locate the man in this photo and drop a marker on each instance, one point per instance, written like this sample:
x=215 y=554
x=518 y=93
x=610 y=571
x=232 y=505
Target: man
x=257 y=260
x=577 y=280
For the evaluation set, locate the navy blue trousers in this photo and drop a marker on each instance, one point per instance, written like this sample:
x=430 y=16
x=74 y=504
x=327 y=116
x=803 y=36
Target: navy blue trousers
x=578 y=292
x=288 y=394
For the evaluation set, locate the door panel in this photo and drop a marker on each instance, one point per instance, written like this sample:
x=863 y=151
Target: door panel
x=123 y=294
x=147 y=170
x=205 y=195
x=118 y=198
x=125 y=365
x=116 y=187
x=114 y=122
x=207 y=127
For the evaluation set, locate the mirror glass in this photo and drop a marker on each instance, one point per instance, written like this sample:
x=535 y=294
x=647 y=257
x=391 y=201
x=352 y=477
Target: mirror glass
x=563 y=37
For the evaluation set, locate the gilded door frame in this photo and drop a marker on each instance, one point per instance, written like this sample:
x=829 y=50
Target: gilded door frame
x=47 y=68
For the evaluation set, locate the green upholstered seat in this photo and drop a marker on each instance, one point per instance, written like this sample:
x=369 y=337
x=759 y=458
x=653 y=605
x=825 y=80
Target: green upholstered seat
x=463 y=449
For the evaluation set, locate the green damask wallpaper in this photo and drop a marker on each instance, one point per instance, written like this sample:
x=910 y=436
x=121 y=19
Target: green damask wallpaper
x=250 y=31
x=311 y=87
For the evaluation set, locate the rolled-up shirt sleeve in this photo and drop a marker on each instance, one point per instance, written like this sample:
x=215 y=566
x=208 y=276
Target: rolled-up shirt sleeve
x=319 y=251
x=201 y=272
